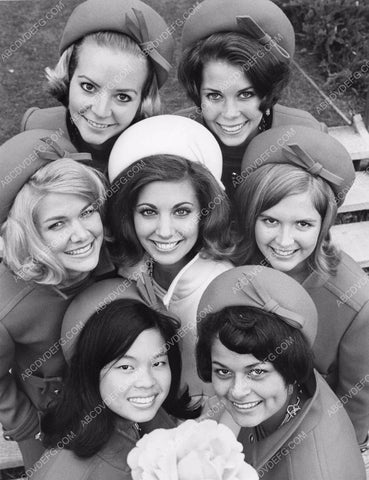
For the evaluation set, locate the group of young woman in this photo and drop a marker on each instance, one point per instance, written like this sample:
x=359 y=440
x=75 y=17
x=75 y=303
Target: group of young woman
x=157 y=265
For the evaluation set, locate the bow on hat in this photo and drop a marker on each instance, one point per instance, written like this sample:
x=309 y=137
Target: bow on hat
x=137 y=27
x=297 y=155
x=59 y=152
x=250 y=27
x=263 y=300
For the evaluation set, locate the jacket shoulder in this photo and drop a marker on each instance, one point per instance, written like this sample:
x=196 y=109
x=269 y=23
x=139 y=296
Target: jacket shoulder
x=12 y=290
x=283 y=115
x=52 y=118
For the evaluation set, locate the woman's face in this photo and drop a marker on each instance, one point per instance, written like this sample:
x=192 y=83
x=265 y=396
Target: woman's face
x=166 y=219
x=251 y=390
x=135 y=386
x=287 y=233
x=229 y=103
x=105 y=91
x=72 y=229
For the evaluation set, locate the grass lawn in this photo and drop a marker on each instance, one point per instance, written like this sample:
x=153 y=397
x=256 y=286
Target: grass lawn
x=22 y=69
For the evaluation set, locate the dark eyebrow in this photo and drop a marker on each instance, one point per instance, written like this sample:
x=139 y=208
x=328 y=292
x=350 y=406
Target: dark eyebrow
x=253 y=365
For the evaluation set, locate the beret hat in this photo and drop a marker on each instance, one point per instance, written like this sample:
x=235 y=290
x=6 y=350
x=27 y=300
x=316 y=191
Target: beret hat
x=264 y=288
x=90 y=301
x=262 y=20
x=23 y=155
x=166 y=134
x=317 y=152
x=130 y=17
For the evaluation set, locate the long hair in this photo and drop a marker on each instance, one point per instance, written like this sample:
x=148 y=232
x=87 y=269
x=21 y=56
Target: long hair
x=214 y=220
x=268 y=185
x=250 y=330
x=25 y=252
x=267 y=75
x=59 y=78
x=105 y=338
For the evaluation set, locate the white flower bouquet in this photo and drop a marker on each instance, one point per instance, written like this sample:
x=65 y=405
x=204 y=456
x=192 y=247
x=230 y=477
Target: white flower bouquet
x=192 y=451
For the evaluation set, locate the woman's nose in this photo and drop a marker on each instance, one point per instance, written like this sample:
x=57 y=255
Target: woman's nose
x=164 y=228
x=241 y=387
x=101 y=104
x=285 y=237
x=79 y=232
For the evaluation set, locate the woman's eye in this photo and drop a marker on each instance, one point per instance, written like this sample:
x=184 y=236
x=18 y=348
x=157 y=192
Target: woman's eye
x=88 y=212
x=304 y=224
x=87 y=87
x=147 y=212
x=181 y=212
x=246 y=94
x=126 y=368
x=269 y=221
x=161 y=363
x=124 y=98
x=213 y=97
x=256 y=373
x=223 y=372
x=55 y=226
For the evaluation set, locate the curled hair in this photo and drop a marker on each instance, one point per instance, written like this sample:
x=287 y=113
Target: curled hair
x=59 y=78
x=250 y=330
x=267 y=75
x=25 y=252
x=214 y=230
x=105 y=338
x=268 y=185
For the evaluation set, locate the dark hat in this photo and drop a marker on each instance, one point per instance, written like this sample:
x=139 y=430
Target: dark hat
x=264 y=288
x=166 y=134
x=23 y=155
x=261 y=20
x=317 y=152
x=131 y=17
x=94 y=299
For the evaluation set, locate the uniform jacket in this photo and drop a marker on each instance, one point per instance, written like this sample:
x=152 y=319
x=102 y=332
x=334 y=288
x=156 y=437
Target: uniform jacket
x=232 y=156
x=314 y=445
x=57 y=119
x=342 y=344
x=108 y=464
x=30 y=321
x=182 y=299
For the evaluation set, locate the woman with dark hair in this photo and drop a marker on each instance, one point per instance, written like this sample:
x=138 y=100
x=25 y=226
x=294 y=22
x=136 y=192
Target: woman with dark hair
x=123 y=382
x=51 y=210
x=169 y=218
x=287 y=204
x=108 y=75
x=235 y=64
x=255 y=348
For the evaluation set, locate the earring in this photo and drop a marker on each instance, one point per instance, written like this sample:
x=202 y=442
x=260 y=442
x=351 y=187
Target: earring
x=267 y=112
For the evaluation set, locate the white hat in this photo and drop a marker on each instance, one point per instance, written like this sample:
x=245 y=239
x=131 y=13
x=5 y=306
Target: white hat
x=166 y=134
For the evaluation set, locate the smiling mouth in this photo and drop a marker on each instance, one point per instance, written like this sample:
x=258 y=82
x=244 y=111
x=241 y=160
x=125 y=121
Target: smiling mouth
x=101 y=126
x=80 y=251
x=246 y=405
x=232 y=129
x=166 y=247
x=283 y=253
x=142 y=401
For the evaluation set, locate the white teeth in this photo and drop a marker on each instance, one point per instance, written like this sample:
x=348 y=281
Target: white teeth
x=283 y=253
x=97 y=125
x=142 y=400
x=232 y=129
x=245 y=406
x=166 y=246
x=79 y=251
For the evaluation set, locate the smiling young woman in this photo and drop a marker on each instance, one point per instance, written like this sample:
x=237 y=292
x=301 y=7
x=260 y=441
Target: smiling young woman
x=53 y=237
x=106 y=78
x=235 y=63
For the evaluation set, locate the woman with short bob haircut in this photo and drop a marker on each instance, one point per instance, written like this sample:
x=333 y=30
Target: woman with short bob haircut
x=170 y=219
x=51 y=225
x=287 y=204
x=236 y=60
x=108 y=76
x=266 y=187
x=24 y=249
x=254 y=345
